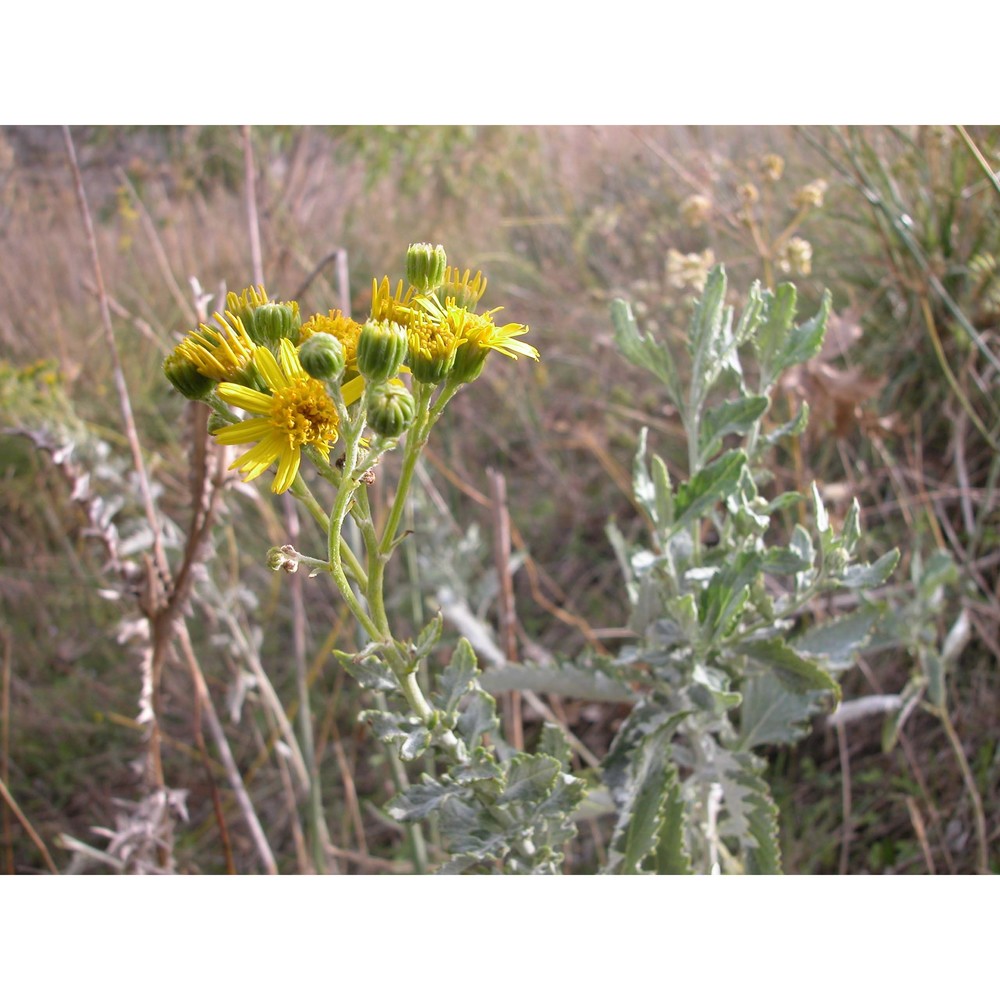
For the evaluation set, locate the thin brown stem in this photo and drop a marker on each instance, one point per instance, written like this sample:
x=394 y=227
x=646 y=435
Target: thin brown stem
x=8 y=839
x=226 y=755
x=28 y=828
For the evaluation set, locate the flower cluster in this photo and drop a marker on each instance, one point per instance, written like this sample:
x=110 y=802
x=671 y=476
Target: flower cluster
x=299 y=381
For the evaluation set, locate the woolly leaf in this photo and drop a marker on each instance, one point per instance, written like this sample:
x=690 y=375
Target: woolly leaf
x=419 y=801
x=458 y=678
x=643 y=350
x=870 y=574
x=795 y=672
x=370 y=672
x=772 y=714
x=672 y=857
x=715 y=482
x=732 y=417
x=837 y=640
x=529 y=777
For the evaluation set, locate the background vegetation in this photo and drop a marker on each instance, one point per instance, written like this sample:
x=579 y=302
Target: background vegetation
x=905 y=415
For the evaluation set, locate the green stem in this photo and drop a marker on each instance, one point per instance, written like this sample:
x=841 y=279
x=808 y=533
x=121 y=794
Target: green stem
x=335 y=525
x=302 y=492
x=416 y=438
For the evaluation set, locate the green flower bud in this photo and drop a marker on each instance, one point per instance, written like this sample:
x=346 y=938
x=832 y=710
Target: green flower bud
x=185 y=378
x=430 y=370
x=390 y=409
x=425 y=266
x=381 y=349
x=322 y=356
x=270 y=322
x=470 y=359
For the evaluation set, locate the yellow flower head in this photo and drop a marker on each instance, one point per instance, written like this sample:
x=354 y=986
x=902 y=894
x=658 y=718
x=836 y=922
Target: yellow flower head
x=297 y=412
x=431 y=344
x=458 y=287
x=386 y=305
x=345 y=329
x=224 y=353
x=249 y=298
x=480 y=336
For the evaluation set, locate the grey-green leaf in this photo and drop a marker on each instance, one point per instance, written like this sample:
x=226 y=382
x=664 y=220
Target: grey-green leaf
x=458 y=678
x=870 y=574
x=478 y=718
x=771 y=714
x=715 y=482
x=837 y=640
x=419 y=801
x=530 y=778
x=644 y=350
x=369 y=672
x=796 y=672
x=731 y=417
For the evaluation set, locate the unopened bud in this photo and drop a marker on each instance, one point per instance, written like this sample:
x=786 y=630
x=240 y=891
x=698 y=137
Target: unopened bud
x=390 y=409
x=322 y=356
x=272 y=321
x=185 y=377
x=425 y=266
x=381 y=349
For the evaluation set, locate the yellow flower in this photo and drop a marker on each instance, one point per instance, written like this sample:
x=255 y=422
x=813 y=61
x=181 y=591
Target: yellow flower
x=431 y=344
x=480 y=336
x=222 y=354
x=386 y=305
x=345 y=329
x=458 y=287
x=249 y=299
x=297 y=412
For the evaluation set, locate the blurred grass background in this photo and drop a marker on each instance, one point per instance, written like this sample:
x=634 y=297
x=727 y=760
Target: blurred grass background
x=906 y=416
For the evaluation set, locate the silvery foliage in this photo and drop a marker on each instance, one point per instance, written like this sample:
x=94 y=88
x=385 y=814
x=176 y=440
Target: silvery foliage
x=725 y=659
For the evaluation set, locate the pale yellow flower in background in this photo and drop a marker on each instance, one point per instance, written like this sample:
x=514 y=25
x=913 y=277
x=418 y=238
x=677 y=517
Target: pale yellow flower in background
x=796 y=257
x=811 y=195
x=696 y=209
x=689 y=270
